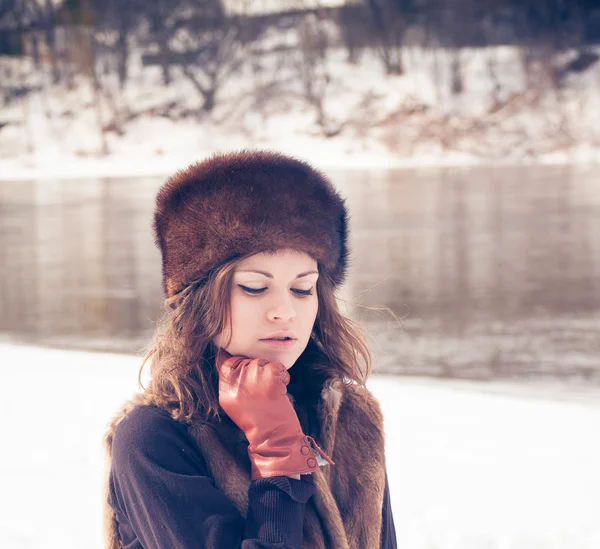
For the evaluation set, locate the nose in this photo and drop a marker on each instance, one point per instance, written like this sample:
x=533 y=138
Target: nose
x=282 y=308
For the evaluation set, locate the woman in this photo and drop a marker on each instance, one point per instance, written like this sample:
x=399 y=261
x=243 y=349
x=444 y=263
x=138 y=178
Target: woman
x=256 y=429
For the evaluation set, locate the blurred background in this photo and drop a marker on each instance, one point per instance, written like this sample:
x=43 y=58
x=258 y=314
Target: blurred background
x=465 y=136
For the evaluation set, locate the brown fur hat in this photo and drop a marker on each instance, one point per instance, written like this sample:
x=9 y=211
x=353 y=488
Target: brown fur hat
x=238 y=204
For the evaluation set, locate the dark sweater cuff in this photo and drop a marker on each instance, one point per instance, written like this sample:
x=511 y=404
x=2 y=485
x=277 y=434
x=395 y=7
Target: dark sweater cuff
x=276 y=510
x=299 y=490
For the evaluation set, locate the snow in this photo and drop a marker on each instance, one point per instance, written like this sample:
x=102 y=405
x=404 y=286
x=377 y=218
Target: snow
x=386 y=121
x=247 y=7
x=494 y=466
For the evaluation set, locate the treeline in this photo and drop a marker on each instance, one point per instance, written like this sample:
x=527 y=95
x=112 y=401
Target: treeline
x=388 y=25
x=206 y=41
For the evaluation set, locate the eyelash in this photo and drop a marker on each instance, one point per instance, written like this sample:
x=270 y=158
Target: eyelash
x=253 y=291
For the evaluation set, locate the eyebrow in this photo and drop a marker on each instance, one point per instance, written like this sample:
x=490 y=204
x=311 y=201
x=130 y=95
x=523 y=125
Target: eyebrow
x=269 y=275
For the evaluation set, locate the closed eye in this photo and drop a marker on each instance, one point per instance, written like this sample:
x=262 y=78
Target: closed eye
x=256 y=291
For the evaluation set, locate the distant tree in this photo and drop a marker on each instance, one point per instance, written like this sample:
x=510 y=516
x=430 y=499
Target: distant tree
x=8 y=8
x=355 y=29
x=311 y=63
x=167 y=18
x=389 y=22
x=123 y=17
x=43 y=13
x=214 y=56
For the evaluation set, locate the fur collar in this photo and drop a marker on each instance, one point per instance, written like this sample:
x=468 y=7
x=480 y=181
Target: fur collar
x=345 y=420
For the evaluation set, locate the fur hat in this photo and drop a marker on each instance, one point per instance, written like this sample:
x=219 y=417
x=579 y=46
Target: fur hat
x=238 y=204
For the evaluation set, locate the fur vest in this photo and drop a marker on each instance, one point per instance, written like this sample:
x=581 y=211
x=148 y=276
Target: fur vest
x=345 y=420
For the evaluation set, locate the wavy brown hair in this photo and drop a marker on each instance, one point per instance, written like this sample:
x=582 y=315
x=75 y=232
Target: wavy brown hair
x=184 y=379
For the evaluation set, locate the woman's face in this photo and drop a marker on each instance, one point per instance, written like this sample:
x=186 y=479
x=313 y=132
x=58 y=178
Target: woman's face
x=270 y=294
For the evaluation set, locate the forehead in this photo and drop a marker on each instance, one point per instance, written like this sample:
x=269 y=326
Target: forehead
x=281 y=260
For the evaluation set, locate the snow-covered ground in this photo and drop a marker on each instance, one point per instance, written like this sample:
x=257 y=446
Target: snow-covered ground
x=384 y=121
x=505 y=468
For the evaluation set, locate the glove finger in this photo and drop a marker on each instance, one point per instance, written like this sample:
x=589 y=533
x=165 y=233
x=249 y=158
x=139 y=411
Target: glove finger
x=232 y=384
x=278 y=370
x=225 y=358
x=276 y=377
x=254 y=376
x=285 y=377
x=233 y=369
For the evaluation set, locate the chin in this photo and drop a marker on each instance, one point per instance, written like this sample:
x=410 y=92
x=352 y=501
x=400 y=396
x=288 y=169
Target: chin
x=286 y=358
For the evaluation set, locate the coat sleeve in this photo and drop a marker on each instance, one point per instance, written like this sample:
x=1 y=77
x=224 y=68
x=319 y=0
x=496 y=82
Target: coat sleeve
x=163 y=497
x=388 y=530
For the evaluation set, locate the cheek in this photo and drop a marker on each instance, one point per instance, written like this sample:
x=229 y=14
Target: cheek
x=243 y=313
x=310 y=310
x=315 y=306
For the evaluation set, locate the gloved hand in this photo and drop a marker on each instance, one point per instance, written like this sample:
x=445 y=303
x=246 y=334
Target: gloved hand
x=253 y=393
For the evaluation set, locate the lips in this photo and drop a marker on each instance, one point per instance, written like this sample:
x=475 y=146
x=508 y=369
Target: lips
x=279 y=343
x=280 y=335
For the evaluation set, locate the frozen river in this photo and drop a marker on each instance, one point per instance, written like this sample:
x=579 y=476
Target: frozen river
x=495 y=272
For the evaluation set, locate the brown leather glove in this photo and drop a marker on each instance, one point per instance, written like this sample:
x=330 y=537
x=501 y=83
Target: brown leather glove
x=253 y=393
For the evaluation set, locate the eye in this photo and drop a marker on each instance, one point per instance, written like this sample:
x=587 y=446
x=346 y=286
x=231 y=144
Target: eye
x=256 y=291
x=253 y=291
x=303 y=292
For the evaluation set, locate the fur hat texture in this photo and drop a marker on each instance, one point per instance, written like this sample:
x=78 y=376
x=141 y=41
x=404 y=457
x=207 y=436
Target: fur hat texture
x=238 y=204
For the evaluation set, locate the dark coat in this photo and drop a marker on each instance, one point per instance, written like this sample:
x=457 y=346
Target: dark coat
x=339 y=506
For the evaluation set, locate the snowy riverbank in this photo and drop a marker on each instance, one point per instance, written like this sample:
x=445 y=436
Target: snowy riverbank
x=379 y=121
